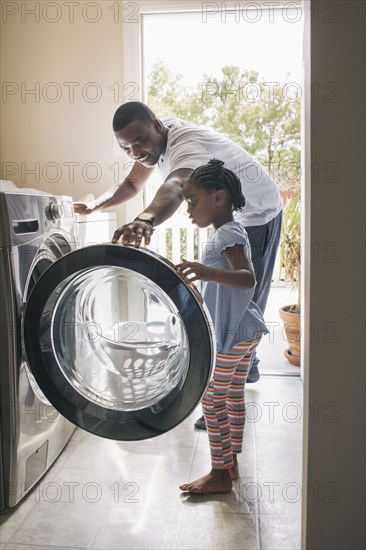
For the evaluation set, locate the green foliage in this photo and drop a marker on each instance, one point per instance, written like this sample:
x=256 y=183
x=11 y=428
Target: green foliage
x=239 y=104
x=168 y=97
x=290 y=244
x=268 y=128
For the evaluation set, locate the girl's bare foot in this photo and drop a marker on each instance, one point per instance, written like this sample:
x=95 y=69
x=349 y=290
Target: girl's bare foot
x=217 y=481
x=234 y=471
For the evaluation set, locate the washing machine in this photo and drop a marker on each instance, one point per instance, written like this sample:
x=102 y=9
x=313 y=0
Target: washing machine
x=117 y=342
x=35 y=231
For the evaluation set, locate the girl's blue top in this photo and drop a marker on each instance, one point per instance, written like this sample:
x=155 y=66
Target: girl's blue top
x=235 y=316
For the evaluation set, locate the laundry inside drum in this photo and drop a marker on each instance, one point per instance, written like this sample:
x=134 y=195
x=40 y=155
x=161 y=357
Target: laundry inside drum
x=119 y=339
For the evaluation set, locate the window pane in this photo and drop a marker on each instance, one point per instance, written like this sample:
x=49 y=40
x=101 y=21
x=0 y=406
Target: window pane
x=238 y=72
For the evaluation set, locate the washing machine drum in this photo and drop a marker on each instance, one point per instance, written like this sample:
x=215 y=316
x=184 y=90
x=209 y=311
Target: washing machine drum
x=118 y=342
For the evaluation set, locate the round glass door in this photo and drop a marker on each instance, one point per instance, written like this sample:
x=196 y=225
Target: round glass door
x=118 y=342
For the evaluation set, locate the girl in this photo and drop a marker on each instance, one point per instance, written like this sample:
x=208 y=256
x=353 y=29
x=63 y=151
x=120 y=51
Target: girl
x=228 y=280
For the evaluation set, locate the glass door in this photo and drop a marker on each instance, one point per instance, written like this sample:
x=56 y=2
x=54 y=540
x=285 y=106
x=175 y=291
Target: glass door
x=118 y=342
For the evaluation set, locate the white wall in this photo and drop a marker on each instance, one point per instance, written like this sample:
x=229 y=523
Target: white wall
x=43 y=135
x=335 y=427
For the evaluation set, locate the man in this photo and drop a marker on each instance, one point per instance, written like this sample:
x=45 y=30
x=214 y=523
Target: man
x=178 y=147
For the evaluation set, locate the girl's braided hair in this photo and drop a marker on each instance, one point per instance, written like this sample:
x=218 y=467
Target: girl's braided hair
x=213 y=176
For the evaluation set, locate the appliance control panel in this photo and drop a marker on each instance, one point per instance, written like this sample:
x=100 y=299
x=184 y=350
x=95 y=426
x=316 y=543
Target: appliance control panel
x=31 y=215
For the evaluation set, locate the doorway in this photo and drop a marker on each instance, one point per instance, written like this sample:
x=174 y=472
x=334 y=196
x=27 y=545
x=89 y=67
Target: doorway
x=254 y=82
x=247 y=86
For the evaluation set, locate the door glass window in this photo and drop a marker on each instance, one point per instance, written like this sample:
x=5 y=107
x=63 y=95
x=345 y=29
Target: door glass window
x=118 y=338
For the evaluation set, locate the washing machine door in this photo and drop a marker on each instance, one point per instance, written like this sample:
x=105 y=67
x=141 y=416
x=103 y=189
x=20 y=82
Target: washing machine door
x=118 y=342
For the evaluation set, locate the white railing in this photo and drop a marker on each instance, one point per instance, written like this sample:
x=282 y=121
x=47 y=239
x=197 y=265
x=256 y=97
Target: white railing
x=178 y=239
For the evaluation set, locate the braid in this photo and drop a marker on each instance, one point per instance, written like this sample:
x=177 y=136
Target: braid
x=214 y=176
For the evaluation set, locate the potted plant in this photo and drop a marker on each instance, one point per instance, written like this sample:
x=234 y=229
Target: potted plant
x=290 y=250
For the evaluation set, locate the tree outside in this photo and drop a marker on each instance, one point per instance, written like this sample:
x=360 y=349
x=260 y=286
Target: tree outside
x=263 y=118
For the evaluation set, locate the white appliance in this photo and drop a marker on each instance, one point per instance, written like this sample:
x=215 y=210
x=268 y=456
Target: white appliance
x=108 y=336
x=95 y=228
x=35 y=231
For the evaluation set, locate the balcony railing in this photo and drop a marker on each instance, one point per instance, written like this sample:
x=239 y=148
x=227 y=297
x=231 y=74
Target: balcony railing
x=178 y=239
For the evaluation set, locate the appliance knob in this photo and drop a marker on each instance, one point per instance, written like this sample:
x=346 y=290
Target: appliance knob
x=56 y=210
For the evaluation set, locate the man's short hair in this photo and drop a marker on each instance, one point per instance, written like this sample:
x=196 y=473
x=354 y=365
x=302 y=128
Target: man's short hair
x=129 y=112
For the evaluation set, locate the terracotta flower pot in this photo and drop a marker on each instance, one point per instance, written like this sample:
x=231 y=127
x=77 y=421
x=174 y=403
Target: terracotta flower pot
x=291 y=321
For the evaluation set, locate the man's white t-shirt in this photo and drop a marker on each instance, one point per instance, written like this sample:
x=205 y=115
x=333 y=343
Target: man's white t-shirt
x=190 y=146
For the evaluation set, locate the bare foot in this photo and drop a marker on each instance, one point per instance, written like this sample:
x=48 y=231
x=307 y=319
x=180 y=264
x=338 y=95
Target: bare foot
x=234 y=471
x=217 y=481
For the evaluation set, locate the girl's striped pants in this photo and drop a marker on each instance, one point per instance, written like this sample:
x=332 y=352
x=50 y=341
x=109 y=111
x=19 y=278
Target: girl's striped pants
x=224 y=403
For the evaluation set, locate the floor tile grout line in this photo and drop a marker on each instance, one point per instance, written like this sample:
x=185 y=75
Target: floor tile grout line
x=256 y=515
x=182 y=508
x=99 y=528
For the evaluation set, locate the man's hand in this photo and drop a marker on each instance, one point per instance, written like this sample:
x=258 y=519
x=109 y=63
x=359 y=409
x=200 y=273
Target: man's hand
x=134 y=232
x=194 y=271
x=84 y=208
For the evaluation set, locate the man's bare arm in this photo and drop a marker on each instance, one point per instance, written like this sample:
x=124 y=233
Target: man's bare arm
x=166 y=201
x=121 y=192
x=168 y=197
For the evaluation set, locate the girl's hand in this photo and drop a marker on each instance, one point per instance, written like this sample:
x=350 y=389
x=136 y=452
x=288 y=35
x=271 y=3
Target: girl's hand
x=194 y=271
x=240 y=275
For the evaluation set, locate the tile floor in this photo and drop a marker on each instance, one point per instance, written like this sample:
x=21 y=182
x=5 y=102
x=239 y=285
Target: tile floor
x=107 y=495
